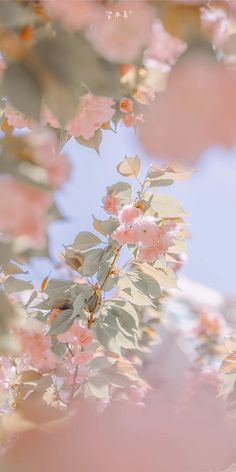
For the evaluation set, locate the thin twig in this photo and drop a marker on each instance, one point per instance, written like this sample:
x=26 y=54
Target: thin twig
x=100 y=289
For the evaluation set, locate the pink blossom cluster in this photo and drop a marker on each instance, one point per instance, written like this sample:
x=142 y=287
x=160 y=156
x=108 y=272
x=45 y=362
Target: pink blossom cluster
x=126 y=107
x=163 y=47
x=122 y=39
x=35 y=347
x=183 y=112
x=26 y=212
x=79 y=339
x=44 y=145
x=46 y=154
x=119 y=38
x=74 y=14
x=152 y=240
x=111 y=204
x=23 y=210
x=93 y=112
x=16 y=119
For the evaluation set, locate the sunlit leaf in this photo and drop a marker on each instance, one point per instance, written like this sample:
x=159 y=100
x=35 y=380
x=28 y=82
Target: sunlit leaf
x=93 y=143
x=167 y=206
x=130 y=167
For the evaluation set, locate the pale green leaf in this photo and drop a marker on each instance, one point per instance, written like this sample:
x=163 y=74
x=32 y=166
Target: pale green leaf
x=106 y=335
x=116 y=379
x=165 y=278
x=163 y=176
x=131 y=293
x=105 y=227
x=62 y=322
x=85 y=240
x=78 y=304
x=58 y=347
x=11 y=285
x=146 y=284
x=101 y=362
x=127 y=342
x=92 y=261
x=117 y=308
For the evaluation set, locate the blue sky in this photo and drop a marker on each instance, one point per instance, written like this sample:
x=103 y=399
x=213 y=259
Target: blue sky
x=209 y=197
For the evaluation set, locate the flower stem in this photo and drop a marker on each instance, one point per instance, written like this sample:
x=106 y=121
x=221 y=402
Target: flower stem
x=99 y=289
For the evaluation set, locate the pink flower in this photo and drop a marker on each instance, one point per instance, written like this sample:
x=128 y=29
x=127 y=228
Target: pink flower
x=78 y=335
x=93 y=112
x=129 y=213
x=149 y=253
x=145 y=230
x=35 y=346
x=111 y=204
x=163 y=47
x=85 y=337
x=23 y=210
x=82 y=373
x=45 y=153
x=16 y=118
x=216 y=23
x=126 y=105
x=129 y=120
x=79 y=339
x=74 y=14
x=121 y=39
x=197 y=110
x=124 y=234
x=83 y=357
x=160 y=244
